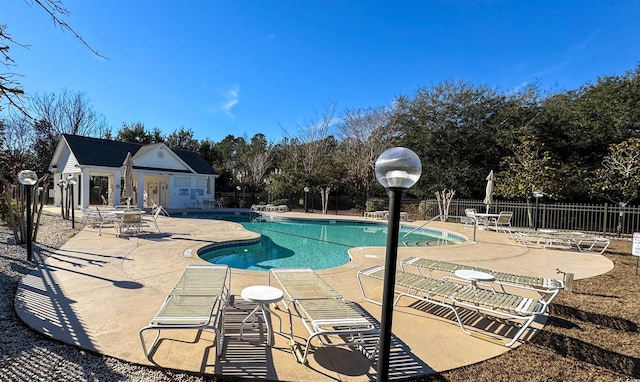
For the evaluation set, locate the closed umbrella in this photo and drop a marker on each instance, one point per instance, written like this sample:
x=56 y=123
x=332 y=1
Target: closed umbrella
x=488 y=198
x=127 y=191
x=208 y=185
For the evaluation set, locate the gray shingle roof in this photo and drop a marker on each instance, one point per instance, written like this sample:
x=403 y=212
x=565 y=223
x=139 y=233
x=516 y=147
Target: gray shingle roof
x=104 y=152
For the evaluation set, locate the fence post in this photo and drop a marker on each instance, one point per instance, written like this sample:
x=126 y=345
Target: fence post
x=605 y=218
x=568 y=282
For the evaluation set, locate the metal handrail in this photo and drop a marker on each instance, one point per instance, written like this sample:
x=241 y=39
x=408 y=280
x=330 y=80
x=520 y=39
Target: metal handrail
x=417 y=228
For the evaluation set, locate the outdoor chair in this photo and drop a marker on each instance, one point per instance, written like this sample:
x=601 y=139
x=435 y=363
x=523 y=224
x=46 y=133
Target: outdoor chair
x=198 y=301
x=547 y=287
x=578 y=241
x=593 y=244
x=155 y=212
x=501 y=223
x=92 y=218
x=469 y=217
x=130 y=222
x=323 y=312
x=508 y=309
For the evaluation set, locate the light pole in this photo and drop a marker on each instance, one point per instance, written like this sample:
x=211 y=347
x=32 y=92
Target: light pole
x=238 y=188
x=306 y=192
x=537 y=194
x=72 y=180
x=397 y=169
x=28 y=178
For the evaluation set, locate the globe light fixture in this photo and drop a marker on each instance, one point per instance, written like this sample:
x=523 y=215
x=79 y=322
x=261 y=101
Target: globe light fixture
x=397 y=169
x=28 y=178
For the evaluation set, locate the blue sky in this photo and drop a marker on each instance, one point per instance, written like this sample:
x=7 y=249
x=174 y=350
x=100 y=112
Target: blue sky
x=244 y=67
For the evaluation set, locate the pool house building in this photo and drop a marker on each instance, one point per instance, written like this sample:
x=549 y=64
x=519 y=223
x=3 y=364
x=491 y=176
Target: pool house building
x=173 y=179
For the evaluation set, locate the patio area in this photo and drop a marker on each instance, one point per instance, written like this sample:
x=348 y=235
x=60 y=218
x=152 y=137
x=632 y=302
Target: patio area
x=97 y=292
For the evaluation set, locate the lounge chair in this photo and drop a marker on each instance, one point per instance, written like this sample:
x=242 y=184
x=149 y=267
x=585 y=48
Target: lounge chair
x=155 y=212
x=505 y=308
x=323 y=312
x=593 y=244
x=198 y=301
x=548 y=288
x=93 y=218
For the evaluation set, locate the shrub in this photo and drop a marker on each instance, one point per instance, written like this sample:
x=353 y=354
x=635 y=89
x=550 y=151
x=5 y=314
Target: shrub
x=280 y=202
x=375 y=205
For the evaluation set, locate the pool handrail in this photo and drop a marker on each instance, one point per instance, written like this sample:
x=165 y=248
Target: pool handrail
x=417 y=228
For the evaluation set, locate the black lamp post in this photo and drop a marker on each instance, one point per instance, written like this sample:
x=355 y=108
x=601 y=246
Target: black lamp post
x=537 y=194
x=28 y=178
x=62 y=183
x=306 y=192
x=72 y=180
x=397 y=169
x=238 y=188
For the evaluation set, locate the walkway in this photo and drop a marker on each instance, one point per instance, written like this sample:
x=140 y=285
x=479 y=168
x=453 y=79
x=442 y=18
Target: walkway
x=96 y=292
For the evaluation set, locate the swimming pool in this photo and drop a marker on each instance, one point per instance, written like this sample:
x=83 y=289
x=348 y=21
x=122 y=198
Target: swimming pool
x=314 y=243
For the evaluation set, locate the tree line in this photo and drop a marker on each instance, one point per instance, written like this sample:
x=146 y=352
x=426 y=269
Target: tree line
x=580 y=145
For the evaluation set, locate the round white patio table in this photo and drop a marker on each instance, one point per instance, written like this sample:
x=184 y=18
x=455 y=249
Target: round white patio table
x=474 y=276
x=263 y=295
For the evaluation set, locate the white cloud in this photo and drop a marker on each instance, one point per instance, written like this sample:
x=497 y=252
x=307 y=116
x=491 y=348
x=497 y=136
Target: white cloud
x=229 y=99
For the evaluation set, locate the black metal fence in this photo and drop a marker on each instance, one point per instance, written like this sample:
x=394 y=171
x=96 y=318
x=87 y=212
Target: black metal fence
x=605 y=219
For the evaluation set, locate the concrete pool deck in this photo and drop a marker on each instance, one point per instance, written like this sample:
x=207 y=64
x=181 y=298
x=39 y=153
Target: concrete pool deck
x=97 y=292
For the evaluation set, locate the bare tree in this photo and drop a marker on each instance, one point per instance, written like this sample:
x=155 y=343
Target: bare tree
x=365 y=134
x=10 y=88
x=312 y=138
x=312 y=149
x=68 y=113
x=17 y=140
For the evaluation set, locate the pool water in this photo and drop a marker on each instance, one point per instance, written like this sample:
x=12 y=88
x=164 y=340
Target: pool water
x=317 y=244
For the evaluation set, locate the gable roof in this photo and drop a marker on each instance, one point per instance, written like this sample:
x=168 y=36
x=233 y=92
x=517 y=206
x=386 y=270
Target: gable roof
x=103 y=152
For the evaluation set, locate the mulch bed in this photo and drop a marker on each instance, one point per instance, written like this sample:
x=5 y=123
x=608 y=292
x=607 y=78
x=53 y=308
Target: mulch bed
x=591 y=335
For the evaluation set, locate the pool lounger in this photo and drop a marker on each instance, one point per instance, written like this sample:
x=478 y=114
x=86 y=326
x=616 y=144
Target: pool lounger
x=548 y=288
x=323 y=312
x=198 y=301
x=508 y=309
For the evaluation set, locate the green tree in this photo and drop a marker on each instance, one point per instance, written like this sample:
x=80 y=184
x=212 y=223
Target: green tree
x=182 y=139
x=529 y=168
x=618 y=180
x=136 y=133
x=452 y=127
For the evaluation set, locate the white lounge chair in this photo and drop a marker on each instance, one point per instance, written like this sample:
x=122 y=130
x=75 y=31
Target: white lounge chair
x=547 y=287
x=512 y=310
x=198 y=301
x=155 y=212
x=323 y=312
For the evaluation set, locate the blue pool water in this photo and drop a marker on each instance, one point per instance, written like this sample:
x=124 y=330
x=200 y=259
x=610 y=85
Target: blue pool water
x=318 y=244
